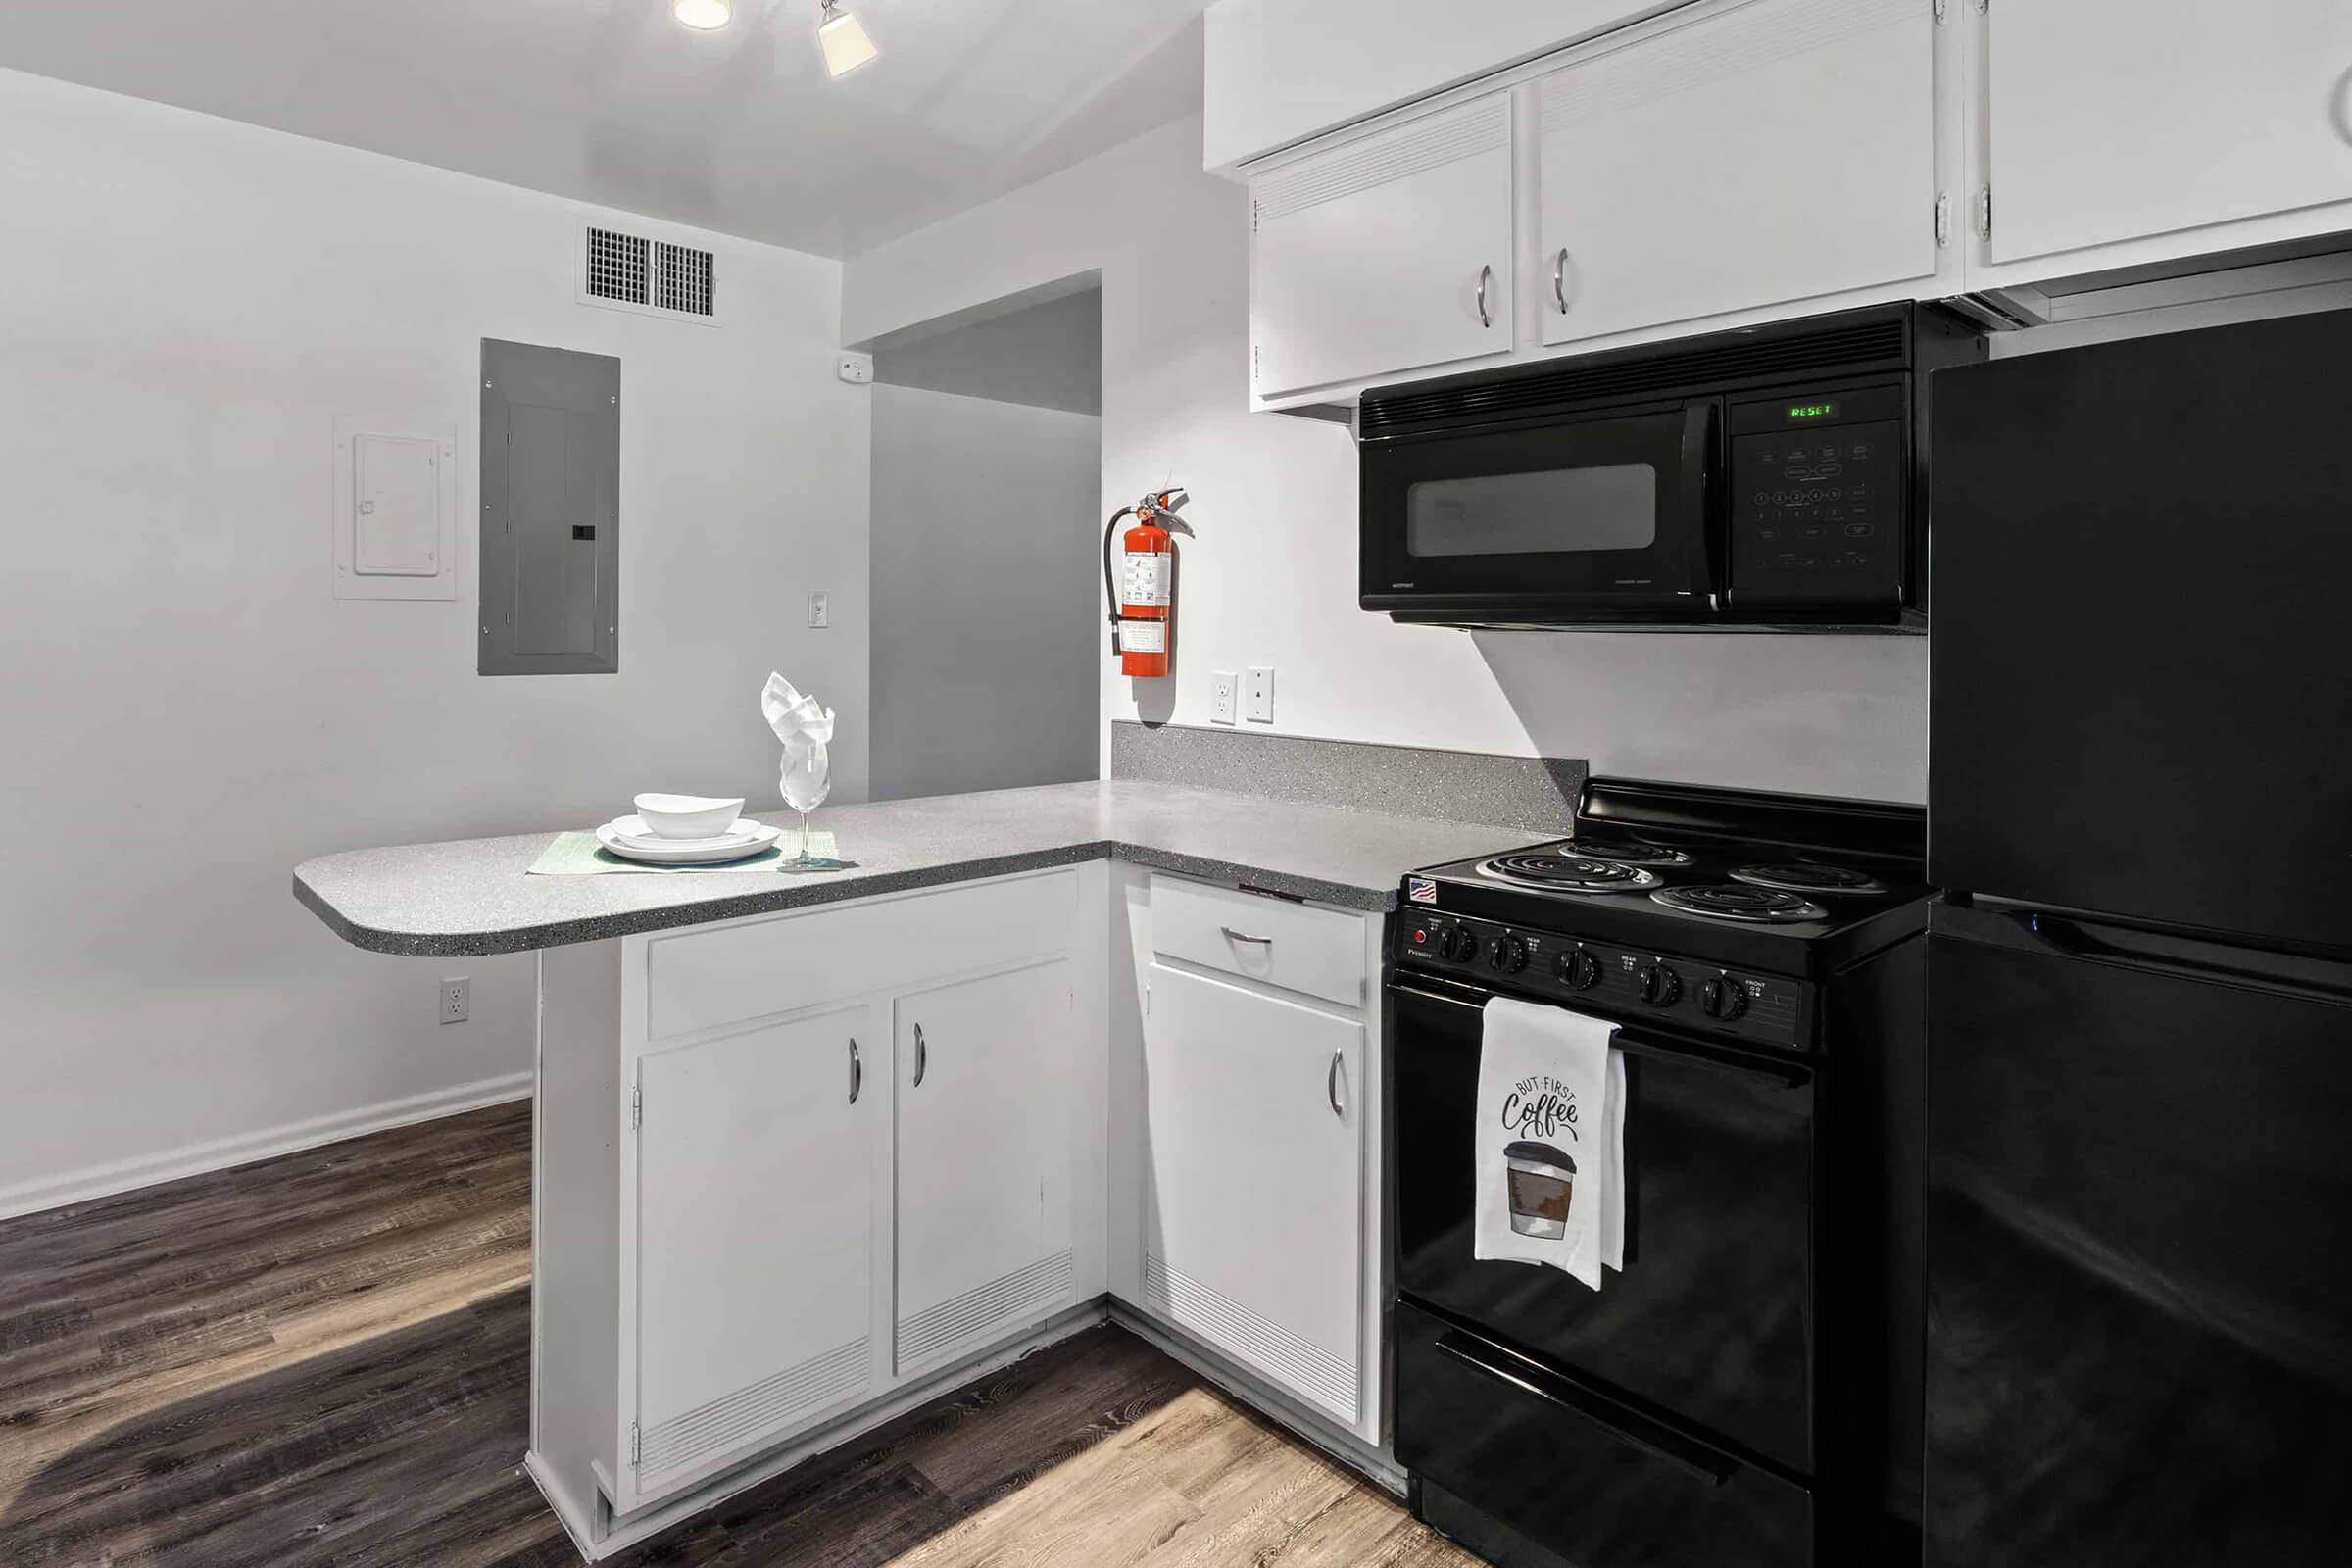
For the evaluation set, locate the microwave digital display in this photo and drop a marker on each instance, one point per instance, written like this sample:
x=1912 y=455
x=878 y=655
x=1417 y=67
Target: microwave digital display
x=1798 y=413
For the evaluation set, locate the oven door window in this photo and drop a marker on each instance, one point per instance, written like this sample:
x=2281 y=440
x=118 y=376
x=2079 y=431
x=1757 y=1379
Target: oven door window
x=1610 y=509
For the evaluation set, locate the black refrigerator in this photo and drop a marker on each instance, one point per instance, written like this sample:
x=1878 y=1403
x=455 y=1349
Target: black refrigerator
x=2139 y=1057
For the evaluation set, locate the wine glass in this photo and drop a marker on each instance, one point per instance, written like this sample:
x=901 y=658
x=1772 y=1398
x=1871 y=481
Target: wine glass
x=806 y=778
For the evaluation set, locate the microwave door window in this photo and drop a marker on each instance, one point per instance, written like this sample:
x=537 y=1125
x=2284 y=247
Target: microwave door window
x=1551 y=513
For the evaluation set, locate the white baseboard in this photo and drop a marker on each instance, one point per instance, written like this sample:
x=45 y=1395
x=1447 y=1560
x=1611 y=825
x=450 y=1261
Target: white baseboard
x=222 y=1154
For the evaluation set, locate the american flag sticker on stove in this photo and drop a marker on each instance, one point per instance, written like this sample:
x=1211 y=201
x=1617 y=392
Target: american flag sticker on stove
x=1420 y=889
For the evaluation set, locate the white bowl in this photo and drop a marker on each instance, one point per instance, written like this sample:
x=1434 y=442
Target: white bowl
x=688 y=816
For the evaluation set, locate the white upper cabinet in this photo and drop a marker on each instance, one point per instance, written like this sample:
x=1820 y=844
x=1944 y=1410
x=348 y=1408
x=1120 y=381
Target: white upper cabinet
x=753 y=1237
x=1278 y=72
x=2123 y=132
x=1730 y=158
x=984 y=1229
x=1385 y=254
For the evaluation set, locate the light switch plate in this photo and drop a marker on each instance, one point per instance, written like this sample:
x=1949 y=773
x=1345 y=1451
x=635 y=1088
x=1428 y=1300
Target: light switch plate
x=1221 y=699
x=1257 y=695
x=820 y=610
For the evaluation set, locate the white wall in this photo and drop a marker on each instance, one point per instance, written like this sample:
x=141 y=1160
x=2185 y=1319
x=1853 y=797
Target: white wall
x=986 y=552
x=1271 y=578
x=188 y=303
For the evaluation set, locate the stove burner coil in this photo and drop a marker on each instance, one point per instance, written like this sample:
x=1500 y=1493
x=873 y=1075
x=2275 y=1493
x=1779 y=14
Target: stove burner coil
x=1568 y=873
x=1790 y=877
x=1733 y=901
x=1626 y=851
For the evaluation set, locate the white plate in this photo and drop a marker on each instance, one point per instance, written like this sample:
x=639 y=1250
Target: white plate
x=681 y=851
x=632 y=830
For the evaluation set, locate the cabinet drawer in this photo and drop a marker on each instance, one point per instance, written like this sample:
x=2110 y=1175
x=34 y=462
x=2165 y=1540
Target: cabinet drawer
x=1319 y=952
x=705 y=978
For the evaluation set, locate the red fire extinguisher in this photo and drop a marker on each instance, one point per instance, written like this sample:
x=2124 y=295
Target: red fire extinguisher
x=1142 y=595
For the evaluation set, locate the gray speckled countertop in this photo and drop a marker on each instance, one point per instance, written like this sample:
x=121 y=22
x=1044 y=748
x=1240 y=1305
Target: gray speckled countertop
x=473 y=896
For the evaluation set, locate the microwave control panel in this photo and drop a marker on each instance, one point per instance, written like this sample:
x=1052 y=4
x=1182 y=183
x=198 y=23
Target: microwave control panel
x=1820 y=498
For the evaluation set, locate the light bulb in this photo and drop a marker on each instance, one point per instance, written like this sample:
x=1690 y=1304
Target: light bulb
x=846 y=45
x=704 y=16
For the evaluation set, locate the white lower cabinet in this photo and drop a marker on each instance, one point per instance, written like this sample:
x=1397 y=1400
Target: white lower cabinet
x=754 y=1237
x=1253 y=1222
x=984 y=1231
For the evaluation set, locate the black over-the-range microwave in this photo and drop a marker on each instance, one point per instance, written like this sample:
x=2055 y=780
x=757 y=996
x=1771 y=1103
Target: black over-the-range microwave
x=1771 y=477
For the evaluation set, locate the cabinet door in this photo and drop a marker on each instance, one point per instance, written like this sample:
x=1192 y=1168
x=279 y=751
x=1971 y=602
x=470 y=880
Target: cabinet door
x=1769 y=153
x=1253 y=1182
x=984 y=1237
x=753 y=1247
x=2114 y=120
x=1384 y=256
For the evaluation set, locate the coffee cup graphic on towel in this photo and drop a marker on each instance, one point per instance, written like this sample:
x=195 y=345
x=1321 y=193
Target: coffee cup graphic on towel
x=1542 y=1183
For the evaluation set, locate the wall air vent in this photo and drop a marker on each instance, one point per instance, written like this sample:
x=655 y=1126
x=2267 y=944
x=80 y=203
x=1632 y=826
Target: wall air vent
x=654 y=277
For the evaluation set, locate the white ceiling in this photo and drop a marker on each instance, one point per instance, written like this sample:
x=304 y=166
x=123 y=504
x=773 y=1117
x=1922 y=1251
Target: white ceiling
x=612 y=101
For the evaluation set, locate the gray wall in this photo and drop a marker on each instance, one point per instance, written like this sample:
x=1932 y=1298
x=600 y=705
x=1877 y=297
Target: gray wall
x=988 y=587
x=1049 y=355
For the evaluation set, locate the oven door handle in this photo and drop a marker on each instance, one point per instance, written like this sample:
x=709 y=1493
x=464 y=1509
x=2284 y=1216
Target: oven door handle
x=1702 y=1464
x=1789 y=1075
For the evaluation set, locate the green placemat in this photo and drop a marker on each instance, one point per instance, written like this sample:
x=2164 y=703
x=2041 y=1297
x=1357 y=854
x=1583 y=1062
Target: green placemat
x=579 y=854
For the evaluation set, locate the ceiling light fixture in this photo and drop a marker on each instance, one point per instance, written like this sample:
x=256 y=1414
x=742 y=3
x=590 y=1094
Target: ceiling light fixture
x=704 y=16
x=847 y=47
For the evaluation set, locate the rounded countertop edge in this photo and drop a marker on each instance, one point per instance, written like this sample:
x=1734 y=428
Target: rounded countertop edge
x=490 y=942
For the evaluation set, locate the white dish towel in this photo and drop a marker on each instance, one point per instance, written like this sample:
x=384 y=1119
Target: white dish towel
x=1551 y=1140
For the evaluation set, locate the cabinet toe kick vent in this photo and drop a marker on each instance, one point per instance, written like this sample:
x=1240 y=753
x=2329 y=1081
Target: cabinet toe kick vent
x=936 y=1328
x=1253 y=1339
x=754 y=1411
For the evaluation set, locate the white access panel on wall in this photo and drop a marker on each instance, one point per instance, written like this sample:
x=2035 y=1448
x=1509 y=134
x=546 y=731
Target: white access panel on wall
x=1738 y=156
x=394 y=511
x=2152 y=122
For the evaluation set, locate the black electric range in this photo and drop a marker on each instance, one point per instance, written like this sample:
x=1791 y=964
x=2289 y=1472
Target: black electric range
x=1746 y=1389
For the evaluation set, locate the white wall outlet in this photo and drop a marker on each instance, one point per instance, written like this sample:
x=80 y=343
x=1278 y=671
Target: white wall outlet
x=1221 y=696
x=1257 y=695
x=855 y=369
x=820 y=611
x=457 y=999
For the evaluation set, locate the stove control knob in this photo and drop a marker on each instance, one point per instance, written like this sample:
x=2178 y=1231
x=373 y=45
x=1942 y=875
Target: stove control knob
x=1458 y=945
x=1508 y=955
x=1578 y=971
x=1661 y=985
x=1723 y=999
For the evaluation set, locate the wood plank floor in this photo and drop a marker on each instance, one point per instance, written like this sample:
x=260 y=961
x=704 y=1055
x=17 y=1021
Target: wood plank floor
x=324 y=1360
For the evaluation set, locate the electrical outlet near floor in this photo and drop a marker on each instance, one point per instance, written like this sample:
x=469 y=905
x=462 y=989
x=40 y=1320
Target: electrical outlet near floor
x=1221 y=699
x=1257 y=695
x=457 y=999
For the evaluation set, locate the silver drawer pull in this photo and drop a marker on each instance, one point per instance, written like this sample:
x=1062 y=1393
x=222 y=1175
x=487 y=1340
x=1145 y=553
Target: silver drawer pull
x=922 y=1056
x=1331 y=1087
x=1244 y=936
x=856 y=1071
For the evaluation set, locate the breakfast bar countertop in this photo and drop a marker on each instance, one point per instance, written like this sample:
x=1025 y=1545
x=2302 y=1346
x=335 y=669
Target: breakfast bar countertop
x=472 y=897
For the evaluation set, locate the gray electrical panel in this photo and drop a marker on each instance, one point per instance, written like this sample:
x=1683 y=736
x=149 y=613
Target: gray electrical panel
x=551 y=511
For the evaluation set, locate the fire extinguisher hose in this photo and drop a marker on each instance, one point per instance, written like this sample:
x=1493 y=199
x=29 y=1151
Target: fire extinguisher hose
x=1111 y=584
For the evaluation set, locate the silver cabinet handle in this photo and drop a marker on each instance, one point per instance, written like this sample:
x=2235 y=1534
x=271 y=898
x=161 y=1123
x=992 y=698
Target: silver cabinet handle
x=856 y=1071
x=1244 y=936
x=1486 y=276
x=1559 y=279
x=1331 y=1087
x=922 y=1056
